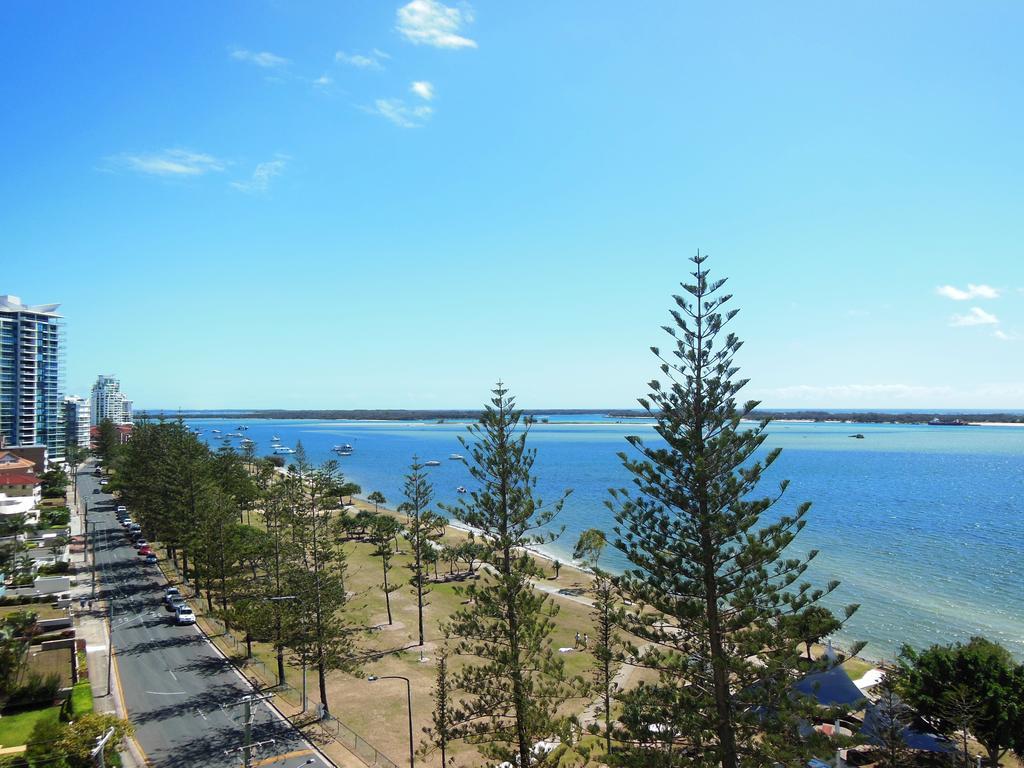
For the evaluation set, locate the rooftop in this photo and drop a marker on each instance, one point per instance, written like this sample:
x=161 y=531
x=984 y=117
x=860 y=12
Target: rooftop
x=9 y=303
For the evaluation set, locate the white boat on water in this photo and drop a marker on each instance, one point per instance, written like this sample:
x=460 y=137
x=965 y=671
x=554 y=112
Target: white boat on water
x=283 y=449
x=275 y=439
x=242 y=427
x=456 y=457
x=461 y=489
x=432 y=463
x=343 y=450
x=233 y=434
x=216 y=431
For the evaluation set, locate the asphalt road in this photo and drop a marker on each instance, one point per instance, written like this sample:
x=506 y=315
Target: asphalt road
x=183 y=697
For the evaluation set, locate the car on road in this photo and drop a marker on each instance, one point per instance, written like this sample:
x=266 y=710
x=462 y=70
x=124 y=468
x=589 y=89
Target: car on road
x=135 y=528
x=141 y=544
x=126 y=522
x=122 y=508
x=95 y=490
x=104 y=481
x=171 y=592
x=174 y=602
x=184 y=615
x=151 y=558
x=145 y=552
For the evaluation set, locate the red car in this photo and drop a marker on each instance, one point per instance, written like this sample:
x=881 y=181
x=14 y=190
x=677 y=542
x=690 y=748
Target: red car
x=145 y=551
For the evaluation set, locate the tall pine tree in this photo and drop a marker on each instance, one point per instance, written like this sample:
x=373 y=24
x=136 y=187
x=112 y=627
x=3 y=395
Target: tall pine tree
x=513 y=679
x=710 y=576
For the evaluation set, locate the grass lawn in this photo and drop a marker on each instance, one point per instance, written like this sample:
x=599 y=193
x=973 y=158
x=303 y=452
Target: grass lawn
x=15 y=729
x=41 y=610
x=856 y=667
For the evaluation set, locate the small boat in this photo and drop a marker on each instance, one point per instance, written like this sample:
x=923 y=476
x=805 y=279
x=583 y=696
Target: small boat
x=275 y=439
x=432 y=463
x=216 y=431
x=247 y=441
x=461 y=489
x=343 y=450
x=242 y=427
x=283 y=449
x=233 y=434
x=456 y=457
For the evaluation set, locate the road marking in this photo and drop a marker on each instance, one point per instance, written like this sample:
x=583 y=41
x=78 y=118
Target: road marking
x=200 y=713
x=172 y=674
x=168 y=693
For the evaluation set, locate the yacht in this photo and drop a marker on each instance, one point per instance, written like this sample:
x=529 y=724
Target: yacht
x=343 y=450
x=233 y=434
x=432 y=463
x=242 y=427
x=275 y=439
x=283 y=449
x=461 y=489
x=247 y=441
x=456 y=457
x=216 y=431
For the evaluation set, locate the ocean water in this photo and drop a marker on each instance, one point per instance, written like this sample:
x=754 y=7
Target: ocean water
x=924 y=526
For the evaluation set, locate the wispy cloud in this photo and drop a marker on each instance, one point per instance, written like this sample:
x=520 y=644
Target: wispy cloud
x=429 y=22
x=370 y=60
x=1004 y=336
x=323 y=81
x=400 y=113
x=423 y=89
x=262 y=175
x=263 y=59
x=179 y=163
x=971 y=292
x=975 y=316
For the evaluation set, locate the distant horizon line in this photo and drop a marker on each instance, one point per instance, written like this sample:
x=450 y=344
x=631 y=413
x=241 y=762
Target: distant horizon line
x=569 y=411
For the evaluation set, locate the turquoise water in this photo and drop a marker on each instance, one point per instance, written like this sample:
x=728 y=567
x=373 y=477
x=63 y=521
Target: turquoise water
x=923 y=525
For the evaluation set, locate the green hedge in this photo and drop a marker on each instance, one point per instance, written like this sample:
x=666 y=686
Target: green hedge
x=78 y=703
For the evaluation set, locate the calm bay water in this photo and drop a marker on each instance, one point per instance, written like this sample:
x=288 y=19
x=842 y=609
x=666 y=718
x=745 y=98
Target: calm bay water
x=924 y=526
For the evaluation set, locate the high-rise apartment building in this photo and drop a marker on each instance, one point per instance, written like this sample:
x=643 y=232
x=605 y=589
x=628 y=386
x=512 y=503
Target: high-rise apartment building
x=31 y=376
x=109 y=402
x=76 y=421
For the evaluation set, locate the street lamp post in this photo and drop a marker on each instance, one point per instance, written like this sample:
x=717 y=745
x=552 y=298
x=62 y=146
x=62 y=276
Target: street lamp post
x=408 y=695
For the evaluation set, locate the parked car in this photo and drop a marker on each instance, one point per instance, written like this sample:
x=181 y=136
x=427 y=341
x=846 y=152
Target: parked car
x=140 y=543
x=151 y=558
x=184 y=615
x=95 y=490
x=144 y=551
x=174 y=602
x=170 y=593
x=122 y=508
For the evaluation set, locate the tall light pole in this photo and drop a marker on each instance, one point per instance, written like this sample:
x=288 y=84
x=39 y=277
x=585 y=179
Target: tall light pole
x=408 y=695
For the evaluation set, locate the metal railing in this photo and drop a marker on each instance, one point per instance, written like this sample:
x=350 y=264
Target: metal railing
x=355 y=743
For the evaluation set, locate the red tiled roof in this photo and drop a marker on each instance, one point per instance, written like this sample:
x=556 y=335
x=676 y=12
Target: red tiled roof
x=11 y=479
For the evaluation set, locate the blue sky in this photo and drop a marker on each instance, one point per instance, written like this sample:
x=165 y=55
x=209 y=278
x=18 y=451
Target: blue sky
x=390 y=204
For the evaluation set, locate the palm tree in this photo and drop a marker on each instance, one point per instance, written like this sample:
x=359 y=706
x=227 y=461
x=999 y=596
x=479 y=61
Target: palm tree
x=377 y=498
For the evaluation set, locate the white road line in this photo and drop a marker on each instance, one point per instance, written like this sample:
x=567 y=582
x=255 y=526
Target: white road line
x=172 y=674
x=168 y=693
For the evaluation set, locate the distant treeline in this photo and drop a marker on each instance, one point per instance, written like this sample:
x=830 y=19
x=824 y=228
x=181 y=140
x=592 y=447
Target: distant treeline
x=868 y=417
x=389 y=414
x=397 y=414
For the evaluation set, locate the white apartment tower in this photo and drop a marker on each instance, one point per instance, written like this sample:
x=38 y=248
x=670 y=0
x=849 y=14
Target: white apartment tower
x=31 y=376
x=76 y=421
x=109 y=402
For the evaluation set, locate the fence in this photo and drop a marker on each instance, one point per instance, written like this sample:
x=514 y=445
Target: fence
x=355 y=743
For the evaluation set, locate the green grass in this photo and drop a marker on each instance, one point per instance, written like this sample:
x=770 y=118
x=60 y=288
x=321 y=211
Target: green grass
x=856 y=667
x=15 y=729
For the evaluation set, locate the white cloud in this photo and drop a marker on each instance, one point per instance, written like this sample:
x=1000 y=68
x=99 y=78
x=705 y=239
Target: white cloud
x=428 y=22
x=169 y=162
x=400 y=113
x=976 y=316
x=360 y=60
x=263 y=59
x=423 y=89
x=972 y=292
x=261 y=175
x=1004 y=336
x=323 y=81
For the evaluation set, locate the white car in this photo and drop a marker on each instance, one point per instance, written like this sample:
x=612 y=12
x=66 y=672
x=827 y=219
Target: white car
x=122 y=508
x=170 y=594
x=183 y=615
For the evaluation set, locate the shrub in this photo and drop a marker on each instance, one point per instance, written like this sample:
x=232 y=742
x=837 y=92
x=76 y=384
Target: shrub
x=52 y=569
x=78 y=703
x=37 y=689
x=42 y=747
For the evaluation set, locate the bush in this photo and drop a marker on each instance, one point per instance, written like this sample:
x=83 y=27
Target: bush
x=53 y=517
x=42 y=744
x=37 y=689
x=78 y=703
x=53 y=569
